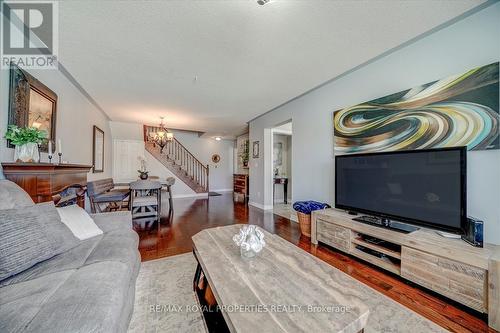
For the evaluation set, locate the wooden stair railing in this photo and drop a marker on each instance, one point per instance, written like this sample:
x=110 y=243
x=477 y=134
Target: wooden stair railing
x=179 y=160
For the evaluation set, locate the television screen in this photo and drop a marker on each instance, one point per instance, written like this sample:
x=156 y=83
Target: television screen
x=420 y=186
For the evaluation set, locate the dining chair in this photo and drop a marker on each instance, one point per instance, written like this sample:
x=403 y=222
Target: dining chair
x=170 y=182
x=145 y=199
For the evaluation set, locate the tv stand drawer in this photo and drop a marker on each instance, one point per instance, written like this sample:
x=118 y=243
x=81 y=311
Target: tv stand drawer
x=461 y=282
x=334 y=235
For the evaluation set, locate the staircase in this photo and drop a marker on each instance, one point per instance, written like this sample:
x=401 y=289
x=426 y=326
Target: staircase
x=176 y=158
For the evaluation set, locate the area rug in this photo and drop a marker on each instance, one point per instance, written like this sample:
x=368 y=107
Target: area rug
x=164 y=295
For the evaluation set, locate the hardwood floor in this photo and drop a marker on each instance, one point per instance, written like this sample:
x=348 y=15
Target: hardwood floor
x=173 y=236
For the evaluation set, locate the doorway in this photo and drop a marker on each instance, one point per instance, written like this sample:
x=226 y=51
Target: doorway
x=282 y=140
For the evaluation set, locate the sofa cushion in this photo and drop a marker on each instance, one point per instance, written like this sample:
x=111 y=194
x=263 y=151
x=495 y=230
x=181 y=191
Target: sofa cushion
x=118 y=245
x=69 y=260
x=58 y=231
x=20 y=302
x=12 y=196
x=113 y=220
x=89 y=288
x=90 y=300
x=30 y=235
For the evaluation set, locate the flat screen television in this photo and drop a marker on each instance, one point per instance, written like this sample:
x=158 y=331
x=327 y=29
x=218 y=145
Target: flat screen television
x=423 y=187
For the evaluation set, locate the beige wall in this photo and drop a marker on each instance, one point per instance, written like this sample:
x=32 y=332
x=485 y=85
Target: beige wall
x=76 y=117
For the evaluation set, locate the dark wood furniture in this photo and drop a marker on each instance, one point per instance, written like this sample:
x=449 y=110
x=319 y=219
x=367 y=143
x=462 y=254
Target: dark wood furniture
x=284 y=182
x=212 y=314
x=44 y=181
x=240 y=186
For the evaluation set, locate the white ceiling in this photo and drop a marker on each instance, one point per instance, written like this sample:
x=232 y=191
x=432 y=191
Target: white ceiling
x=212 y=66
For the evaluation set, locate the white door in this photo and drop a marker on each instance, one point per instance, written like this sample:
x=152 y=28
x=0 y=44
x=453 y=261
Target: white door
x=126 y=155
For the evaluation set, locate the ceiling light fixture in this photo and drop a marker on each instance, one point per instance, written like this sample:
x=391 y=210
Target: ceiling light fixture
x=218 y=138
x=162 y=136
x=262 y=2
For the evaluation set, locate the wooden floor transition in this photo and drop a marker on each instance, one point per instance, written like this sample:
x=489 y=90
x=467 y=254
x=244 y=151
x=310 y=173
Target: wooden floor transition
x=173 y=236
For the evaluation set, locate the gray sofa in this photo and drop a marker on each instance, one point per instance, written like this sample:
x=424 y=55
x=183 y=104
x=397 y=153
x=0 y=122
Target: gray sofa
x=89 y=288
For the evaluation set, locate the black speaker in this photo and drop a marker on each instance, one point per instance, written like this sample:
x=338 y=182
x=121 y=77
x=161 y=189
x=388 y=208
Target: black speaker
x=473 y=232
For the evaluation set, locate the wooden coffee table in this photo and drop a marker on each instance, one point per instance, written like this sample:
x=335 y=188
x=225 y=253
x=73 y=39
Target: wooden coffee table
x=282 y=289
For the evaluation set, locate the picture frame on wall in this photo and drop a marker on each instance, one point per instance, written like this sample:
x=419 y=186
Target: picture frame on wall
x=98 y=150
x=31 y=104
x=431 y=115
x=255 y=149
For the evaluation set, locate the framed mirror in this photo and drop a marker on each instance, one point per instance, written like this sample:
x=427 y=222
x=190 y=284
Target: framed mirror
x=31 y=104
x=98 y=150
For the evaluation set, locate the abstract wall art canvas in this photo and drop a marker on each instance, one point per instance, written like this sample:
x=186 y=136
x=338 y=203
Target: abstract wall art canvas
x=461 y=110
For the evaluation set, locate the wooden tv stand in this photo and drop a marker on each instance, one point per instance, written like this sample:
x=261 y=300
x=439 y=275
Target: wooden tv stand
x=451 y=267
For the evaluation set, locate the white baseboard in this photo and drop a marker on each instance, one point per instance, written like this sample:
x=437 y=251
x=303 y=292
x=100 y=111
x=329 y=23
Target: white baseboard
x=258 y=205
x=281 y=201
x=223 y=190
x=193 y=195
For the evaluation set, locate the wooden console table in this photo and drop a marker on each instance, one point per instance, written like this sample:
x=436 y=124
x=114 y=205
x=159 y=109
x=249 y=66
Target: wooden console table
x=284 y=182
x=240 y=186
x=44 y=181
x=450 y=267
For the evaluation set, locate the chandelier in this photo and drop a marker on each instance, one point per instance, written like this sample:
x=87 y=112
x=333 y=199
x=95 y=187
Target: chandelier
x=162 y=136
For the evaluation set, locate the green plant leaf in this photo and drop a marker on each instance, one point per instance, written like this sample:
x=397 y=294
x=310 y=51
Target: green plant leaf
x=20 y=136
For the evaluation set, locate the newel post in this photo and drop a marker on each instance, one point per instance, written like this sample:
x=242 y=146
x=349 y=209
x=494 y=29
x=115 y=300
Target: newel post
x=208 y=165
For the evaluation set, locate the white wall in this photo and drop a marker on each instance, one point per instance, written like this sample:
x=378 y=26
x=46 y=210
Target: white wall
x=471 y=42
x=75 y=119
x=220 y=174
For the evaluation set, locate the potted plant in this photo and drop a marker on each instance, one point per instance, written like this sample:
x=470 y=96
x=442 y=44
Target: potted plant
x=244 y=154
x=26 y=141
x=143 y=173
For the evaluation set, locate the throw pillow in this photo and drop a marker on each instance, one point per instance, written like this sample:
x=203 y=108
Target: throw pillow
x=13 y=196
x=29 y=235
x=79 y=222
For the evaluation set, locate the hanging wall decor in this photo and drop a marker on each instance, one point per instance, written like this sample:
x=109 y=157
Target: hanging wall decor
x=32 y=104
x=461 y=110
x=255 y=149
